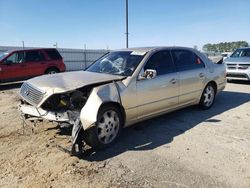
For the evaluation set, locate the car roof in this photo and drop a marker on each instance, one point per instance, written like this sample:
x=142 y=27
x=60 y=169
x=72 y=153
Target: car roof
x=244 y=48
x=28 y=49
x=147 y=49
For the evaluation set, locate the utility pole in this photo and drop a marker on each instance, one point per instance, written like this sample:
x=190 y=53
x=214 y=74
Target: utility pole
x=23 y=44
x=56 y=45
x=85 y=56
x=126 y=24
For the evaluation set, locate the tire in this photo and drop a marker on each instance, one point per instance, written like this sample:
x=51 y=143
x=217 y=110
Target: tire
x=107 y=129
x=51 y=71
x=208 y=97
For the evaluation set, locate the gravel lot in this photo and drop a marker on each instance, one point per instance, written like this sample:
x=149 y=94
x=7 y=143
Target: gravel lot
x=187 y=148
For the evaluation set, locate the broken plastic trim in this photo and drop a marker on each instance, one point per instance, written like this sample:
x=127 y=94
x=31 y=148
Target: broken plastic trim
x=77 y=142
x=30 y=113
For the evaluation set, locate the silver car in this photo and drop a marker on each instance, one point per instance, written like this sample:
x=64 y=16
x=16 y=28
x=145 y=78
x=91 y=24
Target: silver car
x=122 y=88
x=238 y=65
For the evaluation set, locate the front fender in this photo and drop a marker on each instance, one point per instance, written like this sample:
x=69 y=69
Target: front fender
x=99 y=95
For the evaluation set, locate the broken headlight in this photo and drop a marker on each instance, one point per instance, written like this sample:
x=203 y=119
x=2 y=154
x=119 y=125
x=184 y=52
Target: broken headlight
x=68 y=101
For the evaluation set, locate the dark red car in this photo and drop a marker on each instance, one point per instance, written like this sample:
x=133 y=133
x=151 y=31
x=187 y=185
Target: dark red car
x=23 y=64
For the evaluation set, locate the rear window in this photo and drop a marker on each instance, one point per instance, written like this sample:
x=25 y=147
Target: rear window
x=186 y=60
x=33 y=56
x=53 y=54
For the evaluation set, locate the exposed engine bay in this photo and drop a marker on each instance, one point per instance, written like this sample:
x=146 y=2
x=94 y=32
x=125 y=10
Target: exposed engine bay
x=68 y=101
x=62 y=107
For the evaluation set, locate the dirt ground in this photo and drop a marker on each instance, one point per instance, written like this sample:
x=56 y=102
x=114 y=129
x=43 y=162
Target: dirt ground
x=187 y=148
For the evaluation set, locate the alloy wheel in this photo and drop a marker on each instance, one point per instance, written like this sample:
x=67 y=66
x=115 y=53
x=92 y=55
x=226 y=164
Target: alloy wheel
x=108 y=127
x=209 y=96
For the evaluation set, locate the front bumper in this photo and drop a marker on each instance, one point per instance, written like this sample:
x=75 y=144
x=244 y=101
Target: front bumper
x=70 y=117
x=31 y=111
x=238 y=74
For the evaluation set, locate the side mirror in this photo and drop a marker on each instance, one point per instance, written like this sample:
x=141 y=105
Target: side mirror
x=148 y=74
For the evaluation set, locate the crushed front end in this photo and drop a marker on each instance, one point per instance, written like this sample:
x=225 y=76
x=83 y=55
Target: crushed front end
x=63 y=108
x=76 y=107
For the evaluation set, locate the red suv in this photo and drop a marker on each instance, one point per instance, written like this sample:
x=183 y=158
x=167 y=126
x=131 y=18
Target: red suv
x=23 y=64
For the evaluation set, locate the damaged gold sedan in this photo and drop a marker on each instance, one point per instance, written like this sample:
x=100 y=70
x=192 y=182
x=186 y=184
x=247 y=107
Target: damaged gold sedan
x=122 y=88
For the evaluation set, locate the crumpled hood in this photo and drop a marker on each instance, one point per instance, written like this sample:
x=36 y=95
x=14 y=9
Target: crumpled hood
x=63 y=82
x=237 y=60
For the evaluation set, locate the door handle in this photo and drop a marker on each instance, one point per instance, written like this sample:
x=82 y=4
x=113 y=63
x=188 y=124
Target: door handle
x=201 y=75
x=173 y=81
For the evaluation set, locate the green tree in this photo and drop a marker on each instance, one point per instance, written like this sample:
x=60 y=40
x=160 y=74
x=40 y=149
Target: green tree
x=224 y=46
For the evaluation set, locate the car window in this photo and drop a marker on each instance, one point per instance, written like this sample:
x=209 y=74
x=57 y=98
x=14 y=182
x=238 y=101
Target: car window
x=3 y=55
x=121 y=63
x=53 y=54
x=33 y=56
x=161 y=62
x=17 y=57
x=247 y=53
x=241 y=53
x=186 y=60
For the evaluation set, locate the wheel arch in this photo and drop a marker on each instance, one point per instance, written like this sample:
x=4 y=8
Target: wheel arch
x=210 y=82
x=100 y=96
x=214 y=85
x=51 y=67
x=118 y=106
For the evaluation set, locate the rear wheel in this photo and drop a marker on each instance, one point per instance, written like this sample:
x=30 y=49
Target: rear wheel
x=107 y=129
x=52 y=71
x=208 y=96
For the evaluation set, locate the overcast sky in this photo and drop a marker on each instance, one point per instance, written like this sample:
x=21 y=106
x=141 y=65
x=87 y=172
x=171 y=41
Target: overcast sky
x=101 y=23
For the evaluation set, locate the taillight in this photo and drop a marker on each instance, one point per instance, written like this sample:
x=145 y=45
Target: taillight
x=198 y=61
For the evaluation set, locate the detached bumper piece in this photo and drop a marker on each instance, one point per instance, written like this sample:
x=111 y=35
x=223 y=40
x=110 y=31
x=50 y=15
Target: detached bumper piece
x=31 y=113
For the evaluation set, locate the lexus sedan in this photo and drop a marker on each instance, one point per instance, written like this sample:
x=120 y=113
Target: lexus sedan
x=122 y=88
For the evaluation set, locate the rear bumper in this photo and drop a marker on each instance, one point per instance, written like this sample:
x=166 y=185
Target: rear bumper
x=221 y=86
x=63 y=67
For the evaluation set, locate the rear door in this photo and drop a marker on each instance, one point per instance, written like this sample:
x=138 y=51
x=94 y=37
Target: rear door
x=192 y=74
x=13 y=67
x=160 y=93
x=55 y=59
x=35 y=62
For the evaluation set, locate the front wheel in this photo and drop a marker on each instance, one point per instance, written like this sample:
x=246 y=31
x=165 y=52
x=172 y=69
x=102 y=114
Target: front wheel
x=107 y=129
x=207 y=98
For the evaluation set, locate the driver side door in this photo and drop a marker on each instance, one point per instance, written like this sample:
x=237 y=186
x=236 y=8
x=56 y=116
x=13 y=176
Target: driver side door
x=13 y=68
x=158 y=94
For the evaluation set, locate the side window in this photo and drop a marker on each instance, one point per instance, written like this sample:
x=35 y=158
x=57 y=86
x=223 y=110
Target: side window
x=161 y=62
x=17 y=57
x=186 y=60
x=33 y=56
x=53 y=54
x=246 y=53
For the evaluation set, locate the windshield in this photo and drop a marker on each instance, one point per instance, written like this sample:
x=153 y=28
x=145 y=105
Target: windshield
x=3 y=55
x=241 y=53
x=121 y=63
